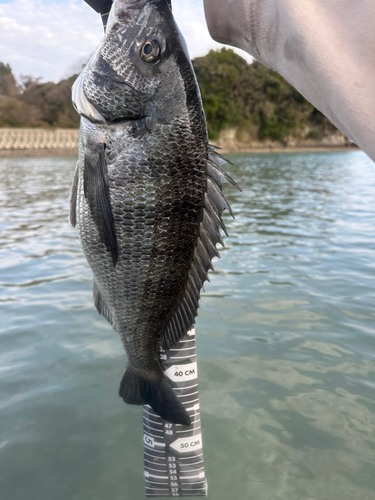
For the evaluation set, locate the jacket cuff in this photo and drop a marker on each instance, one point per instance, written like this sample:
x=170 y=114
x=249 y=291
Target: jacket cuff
x=229 y=21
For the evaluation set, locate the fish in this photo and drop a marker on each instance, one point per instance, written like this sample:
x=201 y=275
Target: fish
x=147 y=195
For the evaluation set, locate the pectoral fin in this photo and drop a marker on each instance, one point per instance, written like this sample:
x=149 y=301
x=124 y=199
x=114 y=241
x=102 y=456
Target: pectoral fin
x=95 y=185
x=73 y=199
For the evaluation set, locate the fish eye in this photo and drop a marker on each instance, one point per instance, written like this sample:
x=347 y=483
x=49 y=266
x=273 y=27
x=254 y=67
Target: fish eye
x=150 y=51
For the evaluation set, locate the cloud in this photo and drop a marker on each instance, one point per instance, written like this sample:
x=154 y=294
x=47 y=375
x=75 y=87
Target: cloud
x=45 y=39
x=53 y=38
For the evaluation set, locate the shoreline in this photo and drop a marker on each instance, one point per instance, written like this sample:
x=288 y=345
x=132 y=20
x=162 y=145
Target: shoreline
x=35 y=153
x=289 y=149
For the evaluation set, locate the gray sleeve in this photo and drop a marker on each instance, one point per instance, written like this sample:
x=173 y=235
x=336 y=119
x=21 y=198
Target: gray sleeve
x=324 y=48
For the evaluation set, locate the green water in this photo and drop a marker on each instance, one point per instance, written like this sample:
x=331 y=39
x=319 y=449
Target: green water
x=285 y=338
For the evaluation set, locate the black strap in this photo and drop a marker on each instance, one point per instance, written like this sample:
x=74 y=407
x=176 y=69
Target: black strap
x=102 y=7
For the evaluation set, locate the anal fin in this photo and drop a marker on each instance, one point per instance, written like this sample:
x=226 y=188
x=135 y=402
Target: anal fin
x=101 y=306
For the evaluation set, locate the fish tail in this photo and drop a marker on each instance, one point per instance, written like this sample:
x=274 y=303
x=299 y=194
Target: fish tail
x=138 y=390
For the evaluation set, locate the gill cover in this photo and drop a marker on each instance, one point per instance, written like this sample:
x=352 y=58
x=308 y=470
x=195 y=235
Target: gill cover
x=81 y=104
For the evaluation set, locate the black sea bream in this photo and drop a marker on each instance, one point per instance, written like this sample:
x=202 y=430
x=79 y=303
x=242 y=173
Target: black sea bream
x=146 y=196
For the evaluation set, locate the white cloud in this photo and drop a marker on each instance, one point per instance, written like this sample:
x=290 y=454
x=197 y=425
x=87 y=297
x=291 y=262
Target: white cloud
x=53 y=38
x=45 y=39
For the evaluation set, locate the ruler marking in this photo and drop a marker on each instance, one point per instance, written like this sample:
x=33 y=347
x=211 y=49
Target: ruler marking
x=151 y=494
x=154 y=482
x=191 y=489
x=193 y=470
x=194 y=429
x=152 y=421
x=182 y=349
x=151 y=411
x=188 y=387
x=159 y=451
x=156 y=470
x=152 y=414
x=148 y=429
x=194 y=490
x=194 y=400
x=149 y=434
x=155 y=456
x=151 y=487
x=192 y=423
x=194 y=463
x=182 y=357
x=187 y=395
x=193 y=483
x=147 y=475
x=189 y=458
x=158 y=489
x=154 y=463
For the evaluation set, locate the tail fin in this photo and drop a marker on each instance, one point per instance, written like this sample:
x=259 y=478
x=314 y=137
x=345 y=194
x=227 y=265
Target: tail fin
x=137 y=390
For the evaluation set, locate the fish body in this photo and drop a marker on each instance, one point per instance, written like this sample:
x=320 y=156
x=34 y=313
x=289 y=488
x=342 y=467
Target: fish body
x=146 y=196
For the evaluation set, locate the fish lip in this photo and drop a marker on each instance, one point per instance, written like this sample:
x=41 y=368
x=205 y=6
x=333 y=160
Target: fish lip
x=120 y=82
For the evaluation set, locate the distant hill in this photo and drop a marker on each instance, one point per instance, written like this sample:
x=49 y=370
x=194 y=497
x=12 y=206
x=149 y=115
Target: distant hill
x=255 y=99
x=35 y=104
x=258 y=102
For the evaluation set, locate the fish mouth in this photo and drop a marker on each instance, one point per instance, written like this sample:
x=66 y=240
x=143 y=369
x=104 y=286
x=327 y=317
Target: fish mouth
x=123 y=120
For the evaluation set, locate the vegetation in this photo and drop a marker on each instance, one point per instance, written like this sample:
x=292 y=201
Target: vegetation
x=255 y=98
x=251 y=97
x=35 y=104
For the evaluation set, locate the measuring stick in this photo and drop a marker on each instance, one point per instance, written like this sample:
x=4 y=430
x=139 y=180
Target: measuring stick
x=173 y=454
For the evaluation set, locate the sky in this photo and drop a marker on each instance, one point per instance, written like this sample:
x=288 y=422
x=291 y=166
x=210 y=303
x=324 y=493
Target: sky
x=53 y=38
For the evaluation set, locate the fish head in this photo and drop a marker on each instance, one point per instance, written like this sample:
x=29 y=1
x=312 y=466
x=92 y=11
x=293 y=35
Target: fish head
x=140 y=68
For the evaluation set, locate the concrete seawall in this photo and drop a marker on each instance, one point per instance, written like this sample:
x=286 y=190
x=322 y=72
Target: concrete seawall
x=23 y=142
x=38 y=142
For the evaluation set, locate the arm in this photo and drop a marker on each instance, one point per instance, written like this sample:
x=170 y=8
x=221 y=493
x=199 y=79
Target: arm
x=324 y=48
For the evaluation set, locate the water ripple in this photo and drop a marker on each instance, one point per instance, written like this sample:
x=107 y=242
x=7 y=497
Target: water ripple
x=285 y=340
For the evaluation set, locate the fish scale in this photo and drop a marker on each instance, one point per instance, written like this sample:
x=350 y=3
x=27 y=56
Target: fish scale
x=154 y=254
x=147 y=197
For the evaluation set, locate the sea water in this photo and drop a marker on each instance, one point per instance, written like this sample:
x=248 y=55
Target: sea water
x=285 y=341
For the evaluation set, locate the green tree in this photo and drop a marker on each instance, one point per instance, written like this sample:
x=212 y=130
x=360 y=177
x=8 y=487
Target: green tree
x=236 y=93
x=8 y=85
x=54 y=102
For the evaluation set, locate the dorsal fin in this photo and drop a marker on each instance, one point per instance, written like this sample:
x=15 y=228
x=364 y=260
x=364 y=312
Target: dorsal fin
x=183 y=317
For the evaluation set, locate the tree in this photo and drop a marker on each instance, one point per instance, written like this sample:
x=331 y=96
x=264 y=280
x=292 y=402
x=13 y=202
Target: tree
x=8 y=85
x=251 y=96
